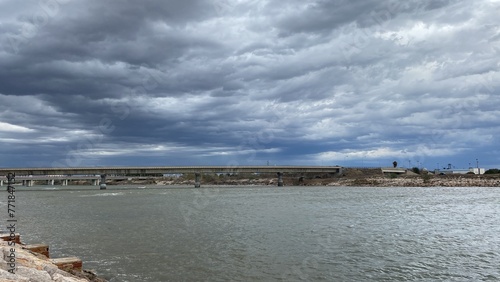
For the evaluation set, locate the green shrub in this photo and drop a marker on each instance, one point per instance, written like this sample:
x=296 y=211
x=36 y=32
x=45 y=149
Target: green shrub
x=393 y=175
x=426 y=177
x=492 y=171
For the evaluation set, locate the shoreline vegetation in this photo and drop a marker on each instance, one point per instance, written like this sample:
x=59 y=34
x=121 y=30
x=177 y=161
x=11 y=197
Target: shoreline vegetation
x=355 y=177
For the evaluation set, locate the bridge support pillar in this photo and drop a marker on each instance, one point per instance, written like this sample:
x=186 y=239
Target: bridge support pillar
x=95 y=182
x=24 y=182
x=64 y=182
x=197 y=182
x=280 y=178
x=10 y=181
x=50 y=182
x=1 y=182
x=102 y=186
x=29 y=183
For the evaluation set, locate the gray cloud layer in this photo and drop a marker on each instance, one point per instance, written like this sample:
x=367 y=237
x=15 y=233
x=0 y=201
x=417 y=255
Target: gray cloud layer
x=242 y=82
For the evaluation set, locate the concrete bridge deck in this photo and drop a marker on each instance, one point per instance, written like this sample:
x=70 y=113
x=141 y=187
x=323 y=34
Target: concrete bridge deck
x=166 y=169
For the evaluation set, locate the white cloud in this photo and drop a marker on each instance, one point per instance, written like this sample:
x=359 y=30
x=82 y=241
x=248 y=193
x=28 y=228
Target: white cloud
x=7 y=127
x=385 y=152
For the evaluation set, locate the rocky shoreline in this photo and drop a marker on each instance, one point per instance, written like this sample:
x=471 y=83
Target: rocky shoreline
x=350 y=177
x=417 y=182
x=30 y=266
x=361 y=182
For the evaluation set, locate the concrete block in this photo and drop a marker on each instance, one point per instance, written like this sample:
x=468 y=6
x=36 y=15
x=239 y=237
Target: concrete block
x=68 y=263
x=6 y=237
x=42 y=249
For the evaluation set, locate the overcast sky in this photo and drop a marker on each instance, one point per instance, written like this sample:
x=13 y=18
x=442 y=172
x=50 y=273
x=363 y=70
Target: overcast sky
x=247 y=82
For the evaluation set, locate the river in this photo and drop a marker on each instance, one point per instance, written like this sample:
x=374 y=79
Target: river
x=268 y=233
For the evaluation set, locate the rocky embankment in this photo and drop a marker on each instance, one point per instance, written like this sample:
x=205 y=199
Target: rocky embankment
x=351 y=177
x=380 y=181
x=417 y=182
x=34 y=267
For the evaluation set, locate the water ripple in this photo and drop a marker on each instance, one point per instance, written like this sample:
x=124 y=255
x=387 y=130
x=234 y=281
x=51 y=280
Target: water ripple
x=273 y=234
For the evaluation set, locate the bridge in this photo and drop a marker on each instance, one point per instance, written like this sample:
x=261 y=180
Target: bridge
x=103 y=172
x=28 y=180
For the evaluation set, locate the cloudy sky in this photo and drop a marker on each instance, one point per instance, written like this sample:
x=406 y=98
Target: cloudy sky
x=247 y=82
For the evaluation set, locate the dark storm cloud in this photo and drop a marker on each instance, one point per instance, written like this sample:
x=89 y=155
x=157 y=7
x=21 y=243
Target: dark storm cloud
x=323 y=16
x=204 y=82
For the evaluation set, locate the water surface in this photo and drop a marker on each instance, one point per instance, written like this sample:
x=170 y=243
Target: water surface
x=268 y=233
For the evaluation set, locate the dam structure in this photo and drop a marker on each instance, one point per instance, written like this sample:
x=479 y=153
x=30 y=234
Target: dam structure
x=100 y=174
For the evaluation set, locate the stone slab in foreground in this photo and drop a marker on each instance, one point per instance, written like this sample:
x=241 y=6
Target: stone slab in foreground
x=34 y=267
x=67 y=264
x=7 y=237
x=42 y=249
